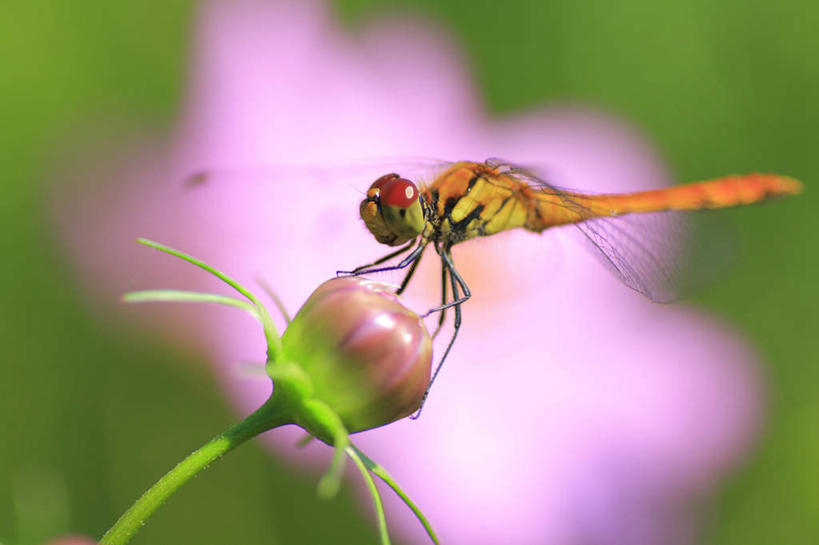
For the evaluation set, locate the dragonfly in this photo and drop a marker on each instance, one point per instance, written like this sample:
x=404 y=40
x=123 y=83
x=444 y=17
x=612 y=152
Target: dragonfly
x=470 y=199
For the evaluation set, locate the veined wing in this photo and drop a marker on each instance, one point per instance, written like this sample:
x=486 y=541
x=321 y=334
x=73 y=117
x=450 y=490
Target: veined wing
x=356 y=173
x=663 y=255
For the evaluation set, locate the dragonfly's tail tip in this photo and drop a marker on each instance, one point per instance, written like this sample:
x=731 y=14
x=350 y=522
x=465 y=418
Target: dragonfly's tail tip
x=792 y=185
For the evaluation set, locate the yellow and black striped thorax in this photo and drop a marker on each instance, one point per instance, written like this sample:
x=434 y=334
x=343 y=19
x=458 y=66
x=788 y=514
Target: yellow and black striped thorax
x=474 y=199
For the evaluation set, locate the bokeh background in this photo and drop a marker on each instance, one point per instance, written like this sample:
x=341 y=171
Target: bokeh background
x=718 y=86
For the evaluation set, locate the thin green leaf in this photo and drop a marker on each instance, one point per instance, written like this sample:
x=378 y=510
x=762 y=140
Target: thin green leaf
x=272 y=294
x=354 y=453
x=183 y=296
x=388 y=479
x=274 y=342
x=331 y=481
x=201 y=264
x=304 y=441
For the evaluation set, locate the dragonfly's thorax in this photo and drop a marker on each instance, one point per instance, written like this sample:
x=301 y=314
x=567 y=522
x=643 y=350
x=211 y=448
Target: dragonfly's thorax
x=472 y=200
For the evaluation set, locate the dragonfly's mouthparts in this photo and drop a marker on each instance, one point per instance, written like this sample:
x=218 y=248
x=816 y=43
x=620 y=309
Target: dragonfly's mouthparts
x=370 y=212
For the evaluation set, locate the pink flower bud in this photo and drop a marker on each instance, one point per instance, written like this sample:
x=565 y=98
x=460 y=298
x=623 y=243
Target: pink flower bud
x=368 y=356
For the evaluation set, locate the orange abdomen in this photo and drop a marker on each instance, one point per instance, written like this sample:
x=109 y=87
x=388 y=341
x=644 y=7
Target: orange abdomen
x=718 y=193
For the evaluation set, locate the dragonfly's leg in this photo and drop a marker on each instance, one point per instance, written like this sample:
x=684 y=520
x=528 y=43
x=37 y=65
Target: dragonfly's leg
x=442 y=316
x=409 y=274
x=363 y=268
x=415 y=254
x=456 y=299
x=455 y=281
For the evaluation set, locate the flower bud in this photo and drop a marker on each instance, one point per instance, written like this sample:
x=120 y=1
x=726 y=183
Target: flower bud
x=367 y=355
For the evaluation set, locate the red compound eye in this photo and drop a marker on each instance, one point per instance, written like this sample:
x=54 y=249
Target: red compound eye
x=379 y=183
x=399 y=192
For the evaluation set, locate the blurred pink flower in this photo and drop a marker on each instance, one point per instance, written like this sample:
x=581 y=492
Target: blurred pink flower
x=571 y=409
x=73 y=540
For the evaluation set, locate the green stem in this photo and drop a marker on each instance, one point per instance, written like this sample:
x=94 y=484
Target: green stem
x=379 y=505
x=270 y=415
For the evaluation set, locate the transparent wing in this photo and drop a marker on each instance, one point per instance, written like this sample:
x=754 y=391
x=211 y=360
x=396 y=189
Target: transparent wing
x=357 y=173
x=663 y=255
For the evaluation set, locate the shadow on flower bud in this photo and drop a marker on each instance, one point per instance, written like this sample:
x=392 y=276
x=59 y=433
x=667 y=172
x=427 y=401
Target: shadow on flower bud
x=367 y=355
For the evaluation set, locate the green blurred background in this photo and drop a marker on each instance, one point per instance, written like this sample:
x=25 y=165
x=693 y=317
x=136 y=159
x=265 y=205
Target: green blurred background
x=720 y=87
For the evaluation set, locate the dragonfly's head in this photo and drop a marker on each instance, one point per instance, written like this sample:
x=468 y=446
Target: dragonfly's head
x=392 y=210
